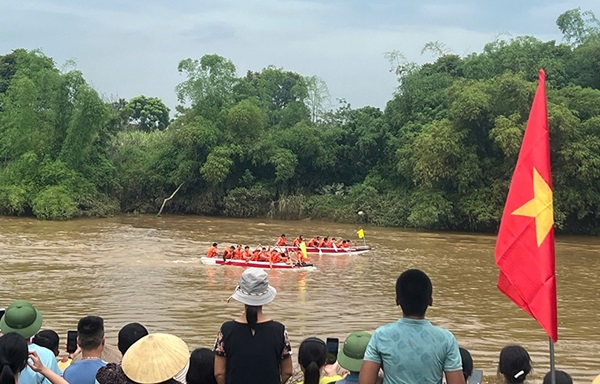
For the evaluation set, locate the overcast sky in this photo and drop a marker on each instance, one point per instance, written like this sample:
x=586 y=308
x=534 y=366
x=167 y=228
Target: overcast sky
x=127 y=48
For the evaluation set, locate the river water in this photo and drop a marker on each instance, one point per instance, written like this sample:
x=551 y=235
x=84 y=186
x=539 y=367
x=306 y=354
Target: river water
x=146 y=269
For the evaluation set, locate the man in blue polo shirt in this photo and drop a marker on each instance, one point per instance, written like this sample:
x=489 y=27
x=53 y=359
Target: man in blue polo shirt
x=91 y=340
x=412 y=350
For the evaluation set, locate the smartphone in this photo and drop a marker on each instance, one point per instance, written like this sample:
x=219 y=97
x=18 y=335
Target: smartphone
x=71 y=341
x=476 y=377
x=332 y=349
x=2 y=311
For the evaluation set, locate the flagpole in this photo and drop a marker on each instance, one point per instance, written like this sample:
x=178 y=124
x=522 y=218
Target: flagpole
x=552 y=366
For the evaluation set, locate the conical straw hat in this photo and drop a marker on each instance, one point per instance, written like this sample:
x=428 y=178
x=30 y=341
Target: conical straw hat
x=155 y=358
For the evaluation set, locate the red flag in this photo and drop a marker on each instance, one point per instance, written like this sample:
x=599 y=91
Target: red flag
x=525 y=245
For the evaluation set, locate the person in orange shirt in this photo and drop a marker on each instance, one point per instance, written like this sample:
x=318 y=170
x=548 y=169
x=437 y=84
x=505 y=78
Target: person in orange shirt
x=300 y=256
x=237 y=254
x=297 y=241
x=212 y=251
x=342 y=244
x=314 y=242
x=281 y=241
x=228 y=253
x=246 y=254
x=326 y=243
x=262 y=255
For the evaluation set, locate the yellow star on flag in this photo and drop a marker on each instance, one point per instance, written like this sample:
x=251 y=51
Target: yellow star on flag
x=540 y=207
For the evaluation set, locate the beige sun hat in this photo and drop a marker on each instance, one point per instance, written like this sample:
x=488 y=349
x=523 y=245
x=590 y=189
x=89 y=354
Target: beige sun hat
x=156 y=358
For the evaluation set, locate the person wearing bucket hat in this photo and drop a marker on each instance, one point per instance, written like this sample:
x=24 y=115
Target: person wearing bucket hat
x=157 y=358
x=351 y=355
x=253 y=348
x=22 y=318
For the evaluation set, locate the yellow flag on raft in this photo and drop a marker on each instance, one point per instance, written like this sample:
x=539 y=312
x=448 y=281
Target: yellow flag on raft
x=302 y=246
x=360 y=233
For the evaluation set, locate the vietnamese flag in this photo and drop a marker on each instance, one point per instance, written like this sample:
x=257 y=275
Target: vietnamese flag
x=525 y=245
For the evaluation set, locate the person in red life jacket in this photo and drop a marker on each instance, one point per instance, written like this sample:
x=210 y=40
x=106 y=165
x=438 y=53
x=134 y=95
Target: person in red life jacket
x=281 y=241
x=348 y=244
x=237 y=254
x=228 y=253
x=212 y=251
x=297 y=241
x=314 y=242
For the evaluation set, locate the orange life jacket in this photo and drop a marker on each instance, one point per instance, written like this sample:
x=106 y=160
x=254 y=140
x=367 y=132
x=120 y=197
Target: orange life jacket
x=228 y=254
x=297 y=241
x=212 y=252
x=237 y=254
x=281 y=241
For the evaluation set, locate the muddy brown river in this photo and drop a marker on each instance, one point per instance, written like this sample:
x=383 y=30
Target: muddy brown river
x=147 y=269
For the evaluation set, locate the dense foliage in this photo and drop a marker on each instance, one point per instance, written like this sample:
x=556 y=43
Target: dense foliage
x=440 y=156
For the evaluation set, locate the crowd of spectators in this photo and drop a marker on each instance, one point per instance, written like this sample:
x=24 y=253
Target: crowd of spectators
x=253 y=348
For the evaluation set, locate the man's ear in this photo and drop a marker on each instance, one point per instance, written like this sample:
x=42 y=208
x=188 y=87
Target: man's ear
x=397 y=301
x=103 y=340
x=79 y=345
x=430 y=301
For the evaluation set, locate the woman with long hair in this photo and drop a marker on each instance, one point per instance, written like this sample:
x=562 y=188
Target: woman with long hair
x=514 y=364
x=202 y=367
x=312 y=355
x=13 y=359
x=252 y=348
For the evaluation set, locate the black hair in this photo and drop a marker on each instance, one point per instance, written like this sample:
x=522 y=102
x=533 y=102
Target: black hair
x=413 y=292
x=562 y=377
x=129 y=334
x=202 y=367
x=90 y=331
x=283 y=235
x=252 y=315
x=467 y=362
x=247 y=247
x=47 y=339
x=13 y=356
x=514 y=364
x=215 y=244
x=312 y=355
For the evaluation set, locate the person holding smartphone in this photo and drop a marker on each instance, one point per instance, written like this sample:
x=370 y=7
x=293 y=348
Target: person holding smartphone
x=22 y=318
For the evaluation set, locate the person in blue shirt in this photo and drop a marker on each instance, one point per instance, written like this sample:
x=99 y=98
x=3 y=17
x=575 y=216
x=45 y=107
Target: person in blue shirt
x=91 y=340
x=23 y=318
x=412 y=350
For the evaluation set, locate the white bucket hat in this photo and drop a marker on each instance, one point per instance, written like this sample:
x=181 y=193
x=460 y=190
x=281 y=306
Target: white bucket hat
x=254 y=289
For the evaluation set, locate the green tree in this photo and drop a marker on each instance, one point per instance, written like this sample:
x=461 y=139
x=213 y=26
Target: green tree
x=147 y=113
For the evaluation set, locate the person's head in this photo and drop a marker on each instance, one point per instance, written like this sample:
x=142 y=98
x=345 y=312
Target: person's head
x=351 y=355
x=414 y=292
x=48 y=339
x=283 y=235
x=90 y=332
x=129 y=334
x=562 y=377
x=514 y=364
x=157 y=358
x=254 y=291
x=247 y=247
x=202 y=367
x=21 y=317
x=215 y=244
x=312 y=355
x=467 y=362
x=13 y=357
